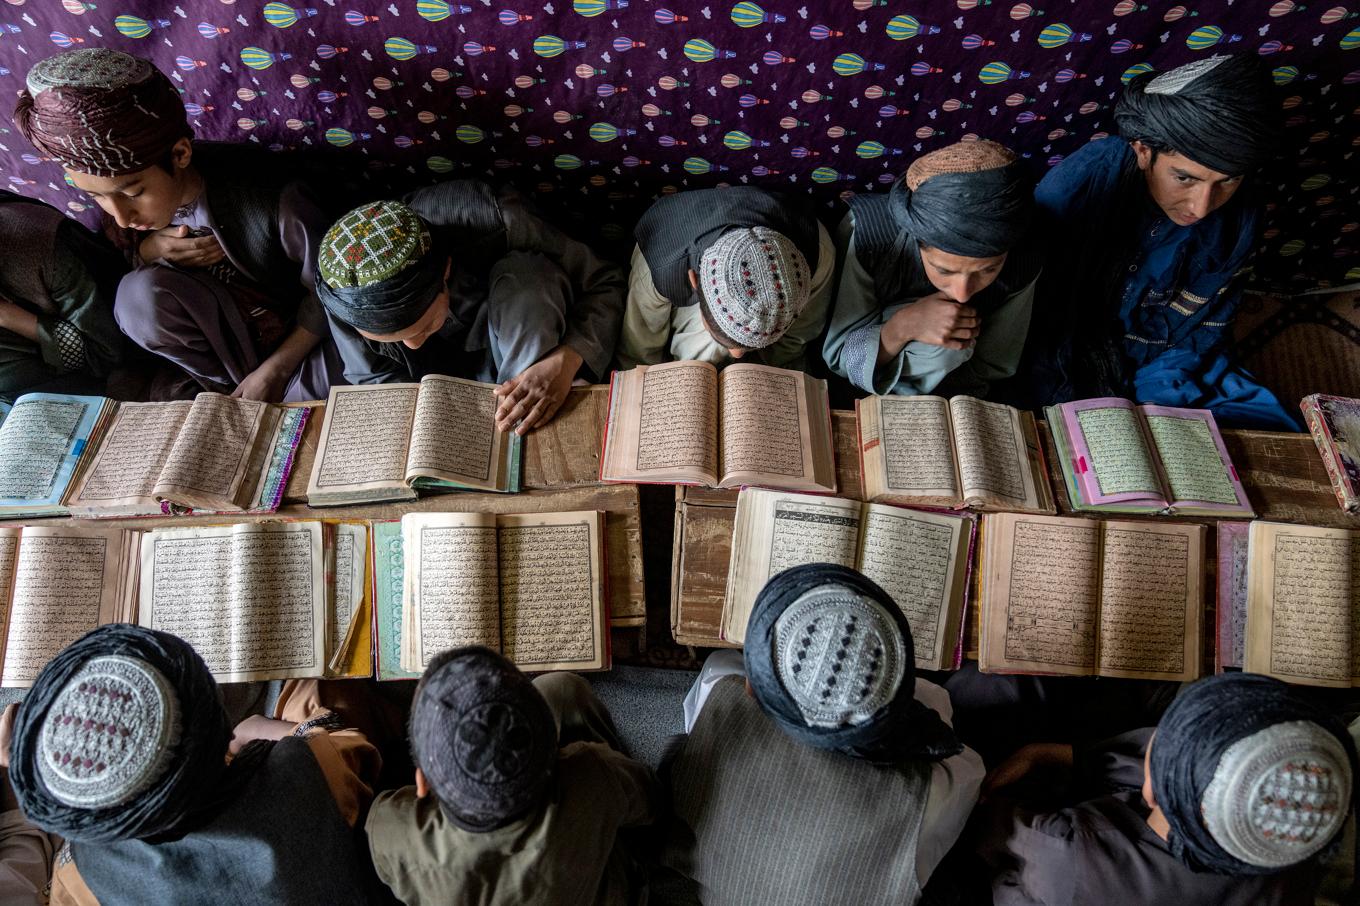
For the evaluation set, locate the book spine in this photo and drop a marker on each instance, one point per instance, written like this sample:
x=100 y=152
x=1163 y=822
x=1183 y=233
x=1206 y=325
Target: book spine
x=1322 y=437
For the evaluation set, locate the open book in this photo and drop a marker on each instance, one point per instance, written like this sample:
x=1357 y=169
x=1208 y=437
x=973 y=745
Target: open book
x=1303 y=601
x=1088 y=597
x=958 y=453
x=1334 y=422
x=89 y=456
x=384 y=441
x=1119 y=457
x=920 y=559
x=685 y=423
x=256 y=600
x=529 y=586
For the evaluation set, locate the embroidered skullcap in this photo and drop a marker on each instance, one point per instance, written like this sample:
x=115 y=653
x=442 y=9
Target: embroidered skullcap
x=101 y=112
x=973 y=199
x=830 y=659
x=122 y=736
x=379 y=268
x=753 y=285
x=1252 y=778
x=1220 y=112
x=484 y=738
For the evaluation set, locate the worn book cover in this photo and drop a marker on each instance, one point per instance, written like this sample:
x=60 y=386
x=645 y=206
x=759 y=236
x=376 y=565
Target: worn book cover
x=1334 y=423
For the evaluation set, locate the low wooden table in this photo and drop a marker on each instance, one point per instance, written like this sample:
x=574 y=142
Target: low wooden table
x=1282 y=473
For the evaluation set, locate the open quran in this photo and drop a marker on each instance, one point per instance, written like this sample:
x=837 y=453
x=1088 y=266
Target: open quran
x=958 y=453
x=386 y=441
x=1287 y=600
x=686 y=423
x=260 y=600
x=1091 y=597
x=919 y=558
x=1119 y=457
x=1334 y=423
x=530 y=586
x=91 y=456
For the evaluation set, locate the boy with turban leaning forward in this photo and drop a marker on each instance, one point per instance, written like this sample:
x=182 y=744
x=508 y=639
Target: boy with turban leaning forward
x=460 y=278
x=937 y=276
x=725 y=274
x=521 y=794
x=123 y=748
x=224 y=239
x=1230 y=801
x=1157 y=228
x=829 y=774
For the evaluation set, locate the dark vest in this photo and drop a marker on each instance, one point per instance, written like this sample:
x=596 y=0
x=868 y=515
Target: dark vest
x=243 y=185
x=28 y=230
x=675 y=230
x=279 y=840
x=893 y=258
x=761 y=819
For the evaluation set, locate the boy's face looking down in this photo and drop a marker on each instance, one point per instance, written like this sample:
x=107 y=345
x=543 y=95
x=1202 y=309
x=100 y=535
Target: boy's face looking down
x=145 y=200
x=425 y=326
x=958 y=277
x=1186 y=192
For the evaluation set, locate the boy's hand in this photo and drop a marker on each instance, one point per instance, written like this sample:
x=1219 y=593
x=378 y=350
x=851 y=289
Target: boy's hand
x=1023 y=761
x=533 y=397
x=174 y=245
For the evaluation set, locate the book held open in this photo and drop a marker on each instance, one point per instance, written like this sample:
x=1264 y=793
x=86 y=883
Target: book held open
x=1120 y=457
x=958 y=453
x=921 y=559
x=688 y=423
x=386 y=441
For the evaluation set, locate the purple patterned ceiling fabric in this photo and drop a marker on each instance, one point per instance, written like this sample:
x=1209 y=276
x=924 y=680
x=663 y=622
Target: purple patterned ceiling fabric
x=604 y=103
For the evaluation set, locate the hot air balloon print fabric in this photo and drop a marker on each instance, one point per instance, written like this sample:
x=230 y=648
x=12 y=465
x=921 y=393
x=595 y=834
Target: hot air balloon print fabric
x=603 y=104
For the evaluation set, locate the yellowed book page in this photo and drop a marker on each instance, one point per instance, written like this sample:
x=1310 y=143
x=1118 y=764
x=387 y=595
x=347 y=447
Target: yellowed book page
x=551 y=591
x=912 y=451
x=65 y=584
x=920 y=560
x=363 y=446
x=775 y=531
x=764 y=430
x=348 y=561
x=1041 y=594
x=1303 y=601
x=454 y=436
x=9 y=558
x=250 y=598
x=663 y=425
x=994 y=469
x=127 y=465
x=1152 y=601
x=451 y=588
x=214 y=452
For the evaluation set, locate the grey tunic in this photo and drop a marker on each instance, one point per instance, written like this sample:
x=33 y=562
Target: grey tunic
x=761 y=819
x=1102 y=851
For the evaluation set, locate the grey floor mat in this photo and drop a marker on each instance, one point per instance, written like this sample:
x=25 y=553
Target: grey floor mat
x=646 y=704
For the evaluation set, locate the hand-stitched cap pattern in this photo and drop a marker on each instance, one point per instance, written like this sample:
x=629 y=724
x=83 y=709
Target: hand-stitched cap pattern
x=1279 y=795
x=110 y=734
x=755 y=283
x=371 y=244
x=840 y=656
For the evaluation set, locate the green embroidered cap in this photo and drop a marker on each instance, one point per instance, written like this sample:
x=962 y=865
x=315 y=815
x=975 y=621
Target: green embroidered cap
x=372 y=243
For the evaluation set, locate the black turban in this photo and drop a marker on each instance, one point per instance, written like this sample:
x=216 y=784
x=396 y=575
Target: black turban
x=190 y=773
x=830 y=659
x=973 y=199
x=1220 y=112
x=484 y=738
x=1231 y=742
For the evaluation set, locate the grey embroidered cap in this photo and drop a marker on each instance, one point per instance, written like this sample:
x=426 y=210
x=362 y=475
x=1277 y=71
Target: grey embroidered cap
x=110 y=733
x=840 y=655
x=754 y=284
x=1279 y=795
